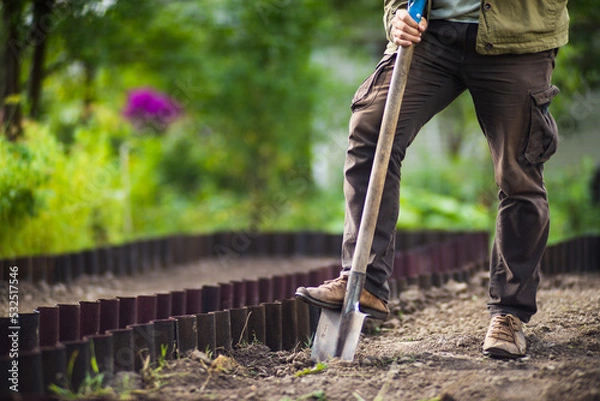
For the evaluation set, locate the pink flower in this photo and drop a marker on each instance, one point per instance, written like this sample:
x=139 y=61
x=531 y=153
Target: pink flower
x=148 y=108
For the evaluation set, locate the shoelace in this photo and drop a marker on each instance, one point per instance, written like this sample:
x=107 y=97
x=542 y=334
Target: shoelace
x=504 y=328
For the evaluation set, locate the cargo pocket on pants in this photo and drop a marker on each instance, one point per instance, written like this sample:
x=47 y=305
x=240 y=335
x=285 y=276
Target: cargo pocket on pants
x=543 y=132
x=365 y=94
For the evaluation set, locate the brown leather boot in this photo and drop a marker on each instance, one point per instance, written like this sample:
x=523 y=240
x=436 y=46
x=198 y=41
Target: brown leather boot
x=331 y=294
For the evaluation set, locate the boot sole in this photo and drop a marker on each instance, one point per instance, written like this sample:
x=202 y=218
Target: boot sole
x=499 y=353
x=372 y=313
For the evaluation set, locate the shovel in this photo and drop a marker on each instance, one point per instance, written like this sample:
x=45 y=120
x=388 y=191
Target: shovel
x=338 y=332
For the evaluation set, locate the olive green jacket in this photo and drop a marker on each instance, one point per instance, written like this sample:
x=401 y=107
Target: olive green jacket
x=508 y=26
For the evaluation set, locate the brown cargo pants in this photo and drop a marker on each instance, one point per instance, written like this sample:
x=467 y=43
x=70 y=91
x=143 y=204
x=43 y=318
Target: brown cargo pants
x=511 y=94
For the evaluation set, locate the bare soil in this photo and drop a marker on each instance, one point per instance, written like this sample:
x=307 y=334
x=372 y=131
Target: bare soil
x=429 y=349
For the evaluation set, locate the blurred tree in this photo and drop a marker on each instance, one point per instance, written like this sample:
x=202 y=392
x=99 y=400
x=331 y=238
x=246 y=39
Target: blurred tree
x=84 y=39
x=585 y=39
x=42 y=25
x=247 y=76
x=577 y=71
x=265 y=98
x=358 y=23
x=10 y=116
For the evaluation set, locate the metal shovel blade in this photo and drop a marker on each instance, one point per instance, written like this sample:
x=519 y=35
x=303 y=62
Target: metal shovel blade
x=337 y=337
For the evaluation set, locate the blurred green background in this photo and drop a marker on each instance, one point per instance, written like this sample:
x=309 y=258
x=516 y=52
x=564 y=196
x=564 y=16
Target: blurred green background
x=124 y=119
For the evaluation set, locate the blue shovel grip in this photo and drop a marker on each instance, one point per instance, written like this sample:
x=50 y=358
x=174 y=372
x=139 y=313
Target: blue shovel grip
x=416 y=8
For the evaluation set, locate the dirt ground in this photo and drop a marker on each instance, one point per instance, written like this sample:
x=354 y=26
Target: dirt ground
x=429 y=349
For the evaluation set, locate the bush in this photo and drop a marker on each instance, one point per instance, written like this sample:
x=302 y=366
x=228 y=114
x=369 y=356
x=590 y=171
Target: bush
x=21 y=174
x=572 y=211
x=54 y=200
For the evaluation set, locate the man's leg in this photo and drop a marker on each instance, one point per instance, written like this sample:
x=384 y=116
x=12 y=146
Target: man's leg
x=433 y=83
x=431 y=86
x=508 y=117
x=511 y=95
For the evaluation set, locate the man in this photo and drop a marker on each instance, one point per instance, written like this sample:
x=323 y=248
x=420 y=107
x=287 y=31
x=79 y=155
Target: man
x=503 y=53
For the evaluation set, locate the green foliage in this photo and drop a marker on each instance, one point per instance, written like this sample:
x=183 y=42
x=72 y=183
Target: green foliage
x=265 y=86
x=318 y=368
x=318 y=395
x=585 y=39
x=577 y=73
x=421 y=208
x=21 y=174
x=263 y=50
x=69 y=200
x=449 y=192
x=91 y=387
x=572 y=212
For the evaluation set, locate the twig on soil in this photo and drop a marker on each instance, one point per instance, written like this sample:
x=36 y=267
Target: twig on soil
x=203 y=387
x=358 y=396
x=388 y=381
x=244 y=329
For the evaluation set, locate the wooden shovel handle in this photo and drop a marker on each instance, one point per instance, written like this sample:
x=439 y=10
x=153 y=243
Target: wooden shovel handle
x=381 y=162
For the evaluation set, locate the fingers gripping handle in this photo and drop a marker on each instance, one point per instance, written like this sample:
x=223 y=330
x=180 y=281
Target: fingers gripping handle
x=416 y=8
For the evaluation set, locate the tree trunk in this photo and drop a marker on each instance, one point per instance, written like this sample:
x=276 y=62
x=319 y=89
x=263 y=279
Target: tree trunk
x=11 y=115
x=88 y=93
x=40 y=29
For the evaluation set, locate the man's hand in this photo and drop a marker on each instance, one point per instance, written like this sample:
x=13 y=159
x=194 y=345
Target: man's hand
x=405 y=30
